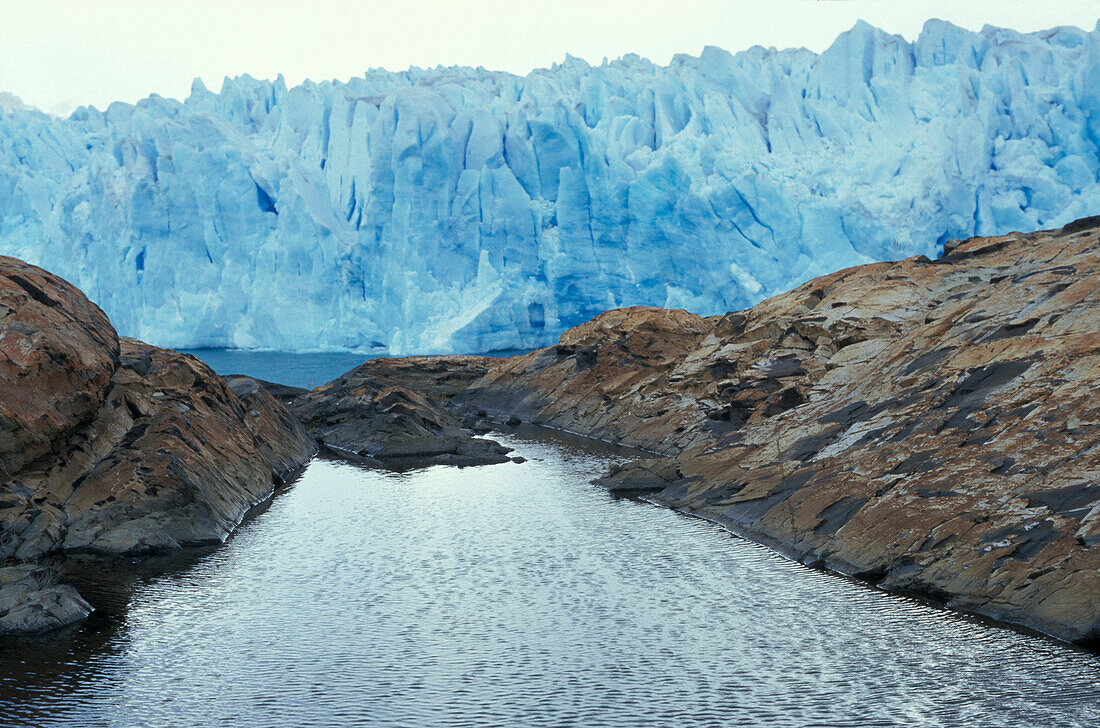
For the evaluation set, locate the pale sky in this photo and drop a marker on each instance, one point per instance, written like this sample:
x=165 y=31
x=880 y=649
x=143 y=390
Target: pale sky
x=57 y=54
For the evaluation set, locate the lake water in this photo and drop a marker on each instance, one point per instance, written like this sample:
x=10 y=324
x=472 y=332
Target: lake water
x=296 y=369
x=516 y=595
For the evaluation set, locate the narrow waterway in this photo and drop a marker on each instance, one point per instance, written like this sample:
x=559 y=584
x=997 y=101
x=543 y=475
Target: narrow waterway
x=516 y=595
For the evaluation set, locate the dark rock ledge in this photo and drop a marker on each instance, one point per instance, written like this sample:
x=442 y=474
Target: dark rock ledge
x=379 y=414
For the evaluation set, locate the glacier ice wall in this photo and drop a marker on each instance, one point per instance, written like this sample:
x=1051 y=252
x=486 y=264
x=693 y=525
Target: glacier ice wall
x=463 y=210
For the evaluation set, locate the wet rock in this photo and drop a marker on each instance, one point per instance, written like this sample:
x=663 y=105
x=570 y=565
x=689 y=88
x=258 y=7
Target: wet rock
x=367 y=416
x=34 y=599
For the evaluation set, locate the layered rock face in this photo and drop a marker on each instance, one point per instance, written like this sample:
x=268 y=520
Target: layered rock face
x=931 y=425
x=113 y=446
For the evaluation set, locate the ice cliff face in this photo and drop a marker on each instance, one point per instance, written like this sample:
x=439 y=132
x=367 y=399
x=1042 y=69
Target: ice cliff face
x=463 y=210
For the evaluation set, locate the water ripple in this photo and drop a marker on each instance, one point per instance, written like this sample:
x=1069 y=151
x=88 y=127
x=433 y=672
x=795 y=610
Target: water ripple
x=518 y=595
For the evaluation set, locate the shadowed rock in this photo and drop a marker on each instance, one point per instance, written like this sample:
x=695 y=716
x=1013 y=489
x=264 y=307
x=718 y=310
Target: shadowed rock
x=284 y=393
x=34 y=599
x=393 y=425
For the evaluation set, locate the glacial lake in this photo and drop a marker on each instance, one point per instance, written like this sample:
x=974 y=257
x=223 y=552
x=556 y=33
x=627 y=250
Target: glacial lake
x=515 y=595
x=307 y=370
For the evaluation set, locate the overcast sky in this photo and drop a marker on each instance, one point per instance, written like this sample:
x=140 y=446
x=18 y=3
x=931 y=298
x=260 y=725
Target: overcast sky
x=57 y=54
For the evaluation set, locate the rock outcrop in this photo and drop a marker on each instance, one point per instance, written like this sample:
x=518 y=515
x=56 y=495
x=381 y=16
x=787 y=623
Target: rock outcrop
x=59 y=352
x=113 y=446
x=933 y=426
x=378 y=414
x=34 y=599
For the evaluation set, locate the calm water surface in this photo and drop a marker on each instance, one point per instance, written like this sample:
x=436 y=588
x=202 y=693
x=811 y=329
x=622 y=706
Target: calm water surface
x=307 y=370
x=516 y=595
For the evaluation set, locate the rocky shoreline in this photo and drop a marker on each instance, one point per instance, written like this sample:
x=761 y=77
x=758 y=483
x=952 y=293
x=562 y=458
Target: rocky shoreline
x=388 y=423
x=111 y=446
x=929 y=426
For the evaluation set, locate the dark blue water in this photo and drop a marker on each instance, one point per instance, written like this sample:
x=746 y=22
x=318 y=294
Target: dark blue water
x=517 y=595
x=297 y=370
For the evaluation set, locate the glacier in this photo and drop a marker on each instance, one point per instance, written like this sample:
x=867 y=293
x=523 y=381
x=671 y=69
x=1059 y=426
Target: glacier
x=463 y=210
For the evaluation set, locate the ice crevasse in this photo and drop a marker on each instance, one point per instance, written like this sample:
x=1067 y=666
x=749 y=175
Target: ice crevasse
x=458 y=209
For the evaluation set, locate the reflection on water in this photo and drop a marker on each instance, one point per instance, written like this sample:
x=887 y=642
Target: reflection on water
x=517 y=595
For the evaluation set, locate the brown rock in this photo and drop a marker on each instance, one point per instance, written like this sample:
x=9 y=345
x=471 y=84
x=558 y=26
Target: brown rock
x=57 y=353
x=187 y=458
x=624 y=355
x=931 y=425
x=117 y=447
